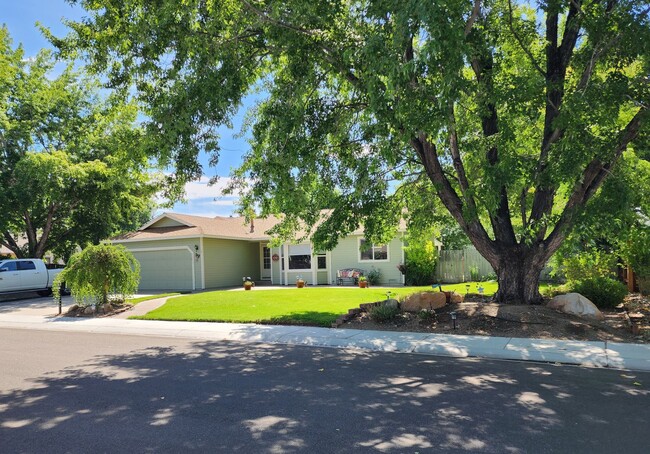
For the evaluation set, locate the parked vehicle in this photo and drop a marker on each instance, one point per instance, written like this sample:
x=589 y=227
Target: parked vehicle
x=27 y=275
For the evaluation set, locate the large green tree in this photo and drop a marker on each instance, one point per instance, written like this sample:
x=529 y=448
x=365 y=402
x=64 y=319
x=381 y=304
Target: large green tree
x=511 y=113
x=73 y=168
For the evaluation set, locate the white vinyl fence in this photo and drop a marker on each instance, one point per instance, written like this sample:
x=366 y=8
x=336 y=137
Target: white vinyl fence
x=467 y=265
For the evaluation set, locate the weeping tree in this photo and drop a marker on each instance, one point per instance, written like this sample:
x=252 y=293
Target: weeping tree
x=511 y=114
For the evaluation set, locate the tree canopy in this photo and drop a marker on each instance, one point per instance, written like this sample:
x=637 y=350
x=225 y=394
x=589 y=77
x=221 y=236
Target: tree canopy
x=511 y=113
x=73 y=169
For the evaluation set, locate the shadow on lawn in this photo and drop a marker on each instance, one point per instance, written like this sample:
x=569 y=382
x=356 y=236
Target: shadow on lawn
x=217 y=396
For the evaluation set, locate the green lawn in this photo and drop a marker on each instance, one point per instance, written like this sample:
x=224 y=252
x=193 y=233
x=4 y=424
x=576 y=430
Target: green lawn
x=135 y=301
x=308 y=306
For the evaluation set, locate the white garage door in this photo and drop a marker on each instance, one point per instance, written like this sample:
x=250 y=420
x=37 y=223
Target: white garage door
x=165 y=270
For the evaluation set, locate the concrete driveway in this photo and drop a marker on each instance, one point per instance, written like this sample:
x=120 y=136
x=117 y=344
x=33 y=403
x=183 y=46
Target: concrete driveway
x=32 y=304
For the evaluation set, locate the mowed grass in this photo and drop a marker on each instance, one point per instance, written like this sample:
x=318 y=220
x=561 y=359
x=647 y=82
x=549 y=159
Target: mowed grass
x=318 y=306
x=140 y=299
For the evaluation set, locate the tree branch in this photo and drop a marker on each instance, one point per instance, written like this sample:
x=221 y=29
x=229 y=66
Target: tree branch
x=521 y=43
x=476 y=10
x=591 y=180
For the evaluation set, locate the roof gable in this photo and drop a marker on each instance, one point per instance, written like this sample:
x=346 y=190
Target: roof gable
x=167 y=220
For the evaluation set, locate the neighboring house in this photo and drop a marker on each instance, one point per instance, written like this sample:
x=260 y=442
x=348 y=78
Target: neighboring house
x=184 y=252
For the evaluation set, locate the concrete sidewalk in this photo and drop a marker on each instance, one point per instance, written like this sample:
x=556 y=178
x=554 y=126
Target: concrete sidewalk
x=594 y=354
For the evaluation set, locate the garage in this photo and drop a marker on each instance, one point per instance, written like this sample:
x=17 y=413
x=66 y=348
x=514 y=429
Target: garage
x=171 y=269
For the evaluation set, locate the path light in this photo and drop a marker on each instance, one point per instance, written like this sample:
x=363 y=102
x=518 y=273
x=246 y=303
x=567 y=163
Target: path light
x=453 y=318
x=388 y=294
x=467 y=289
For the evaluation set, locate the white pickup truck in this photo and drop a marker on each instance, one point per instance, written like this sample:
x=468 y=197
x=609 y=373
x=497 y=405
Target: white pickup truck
x=27 y=275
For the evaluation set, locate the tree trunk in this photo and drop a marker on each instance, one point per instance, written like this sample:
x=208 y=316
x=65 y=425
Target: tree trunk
x=518 y=274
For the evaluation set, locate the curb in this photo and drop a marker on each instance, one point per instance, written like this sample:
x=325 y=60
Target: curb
x=591 y=354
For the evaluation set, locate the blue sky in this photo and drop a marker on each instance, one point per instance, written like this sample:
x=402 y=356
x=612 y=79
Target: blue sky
x=21 y=16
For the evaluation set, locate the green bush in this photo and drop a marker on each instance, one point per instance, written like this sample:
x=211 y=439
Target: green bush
x=420 y=262
x=374 y=276
x=635 y=250
x=383 y=313
x=427 y=316
x=98 y=272
x=588 y=264
x=604 y=292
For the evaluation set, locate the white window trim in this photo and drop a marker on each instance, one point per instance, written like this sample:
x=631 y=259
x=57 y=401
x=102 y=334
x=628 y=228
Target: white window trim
x=360 y=260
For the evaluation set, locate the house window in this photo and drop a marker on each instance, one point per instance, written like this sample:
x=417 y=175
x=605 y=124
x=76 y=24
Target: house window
x=267 y=257
x=300 y=257
x=369 y=252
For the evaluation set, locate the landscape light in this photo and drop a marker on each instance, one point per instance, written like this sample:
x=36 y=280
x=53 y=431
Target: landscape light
x=453 y=318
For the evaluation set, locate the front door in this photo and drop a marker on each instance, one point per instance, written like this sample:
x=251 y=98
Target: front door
x=265 y=265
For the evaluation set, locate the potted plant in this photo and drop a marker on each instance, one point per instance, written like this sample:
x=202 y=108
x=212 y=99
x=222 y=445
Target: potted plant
x=248 y=283
x=300 y=282
x=363 y=282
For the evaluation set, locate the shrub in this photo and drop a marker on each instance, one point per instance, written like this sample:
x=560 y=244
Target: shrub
x=604 y=292
x=374 y=276
x=383 y=313
x=588 y=264
x=420 y=261
x=635 y=249
x=98 y=272
x=427 y=316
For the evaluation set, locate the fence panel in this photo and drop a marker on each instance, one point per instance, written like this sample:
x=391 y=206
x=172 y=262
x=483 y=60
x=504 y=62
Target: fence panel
x=467 y=265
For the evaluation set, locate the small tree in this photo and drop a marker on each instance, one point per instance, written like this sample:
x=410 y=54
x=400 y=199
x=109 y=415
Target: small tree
x=421 y=260
x=97 y=271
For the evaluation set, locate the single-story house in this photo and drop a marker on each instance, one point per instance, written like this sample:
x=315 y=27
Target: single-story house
x=184 y=252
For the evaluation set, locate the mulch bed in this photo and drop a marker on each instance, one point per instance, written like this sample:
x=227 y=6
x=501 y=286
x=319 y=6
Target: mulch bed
x=476 y=316
x=106 y=310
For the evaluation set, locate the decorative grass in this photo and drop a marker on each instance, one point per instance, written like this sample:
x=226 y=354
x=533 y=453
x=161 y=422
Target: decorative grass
x=318 y=306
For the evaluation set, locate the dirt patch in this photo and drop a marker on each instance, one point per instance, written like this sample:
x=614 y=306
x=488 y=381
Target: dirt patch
x=477 y=317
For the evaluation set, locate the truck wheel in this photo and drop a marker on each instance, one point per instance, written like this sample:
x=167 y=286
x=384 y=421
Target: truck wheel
x=46 y=292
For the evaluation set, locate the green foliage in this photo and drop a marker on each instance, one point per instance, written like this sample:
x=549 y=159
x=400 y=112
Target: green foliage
x=510 y=125
x=383 y=313
x=427 y=316
x=73 y=168
x=588 y=264
x=635 y=250
x=99 y=271
x=421 y=258
x=374 y=276
x=604 y=292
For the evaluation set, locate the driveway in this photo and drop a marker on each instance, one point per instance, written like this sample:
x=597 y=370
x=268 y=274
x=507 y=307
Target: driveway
x=32 y=304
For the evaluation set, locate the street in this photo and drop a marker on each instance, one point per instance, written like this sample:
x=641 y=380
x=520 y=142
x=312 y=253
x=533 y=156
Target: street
x=85 y=392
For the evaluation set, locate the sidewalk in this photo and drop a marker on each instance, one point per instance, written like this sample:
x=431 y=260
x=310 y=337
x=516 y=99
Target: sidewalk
x=593 y=354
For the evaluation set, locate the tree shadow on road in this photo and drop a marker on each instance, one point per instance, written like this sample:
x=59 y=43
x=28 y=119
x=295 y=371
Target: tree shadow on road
x=225 y=396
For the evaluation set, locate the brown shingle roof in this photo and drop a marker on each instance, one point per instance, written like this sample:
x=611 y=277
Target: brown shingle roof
x=220 y=227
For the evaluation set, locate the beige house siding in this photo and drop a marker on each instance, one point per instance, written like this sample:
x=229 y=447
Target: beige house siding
x=346 y=255
x=227 y=261
x=167 y=264
x=166 y=222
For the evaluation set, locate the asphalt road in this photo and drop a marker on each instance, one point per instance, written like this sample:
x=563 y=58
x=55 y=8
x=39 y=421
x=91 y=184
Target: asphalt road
x=79 y=392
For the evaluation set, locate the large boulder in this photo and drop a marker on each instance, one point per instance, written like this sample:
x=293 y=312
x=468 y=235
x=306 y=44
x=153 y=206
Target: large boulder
x=576 y=304
x=424 y=300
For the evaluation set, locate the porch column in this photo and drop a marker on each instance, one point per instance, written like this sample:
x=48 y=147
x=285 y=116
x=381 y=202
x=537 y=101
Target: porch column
x=285 y=260
x=314 y=265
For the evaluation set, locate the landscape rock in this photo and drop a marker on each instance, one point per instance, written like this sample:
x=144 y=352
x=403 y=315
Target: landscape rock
x=576 y=304
x=89 y=310
x=392 y=303
x=424 y=300
x=73 y=308
x=456 y=298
